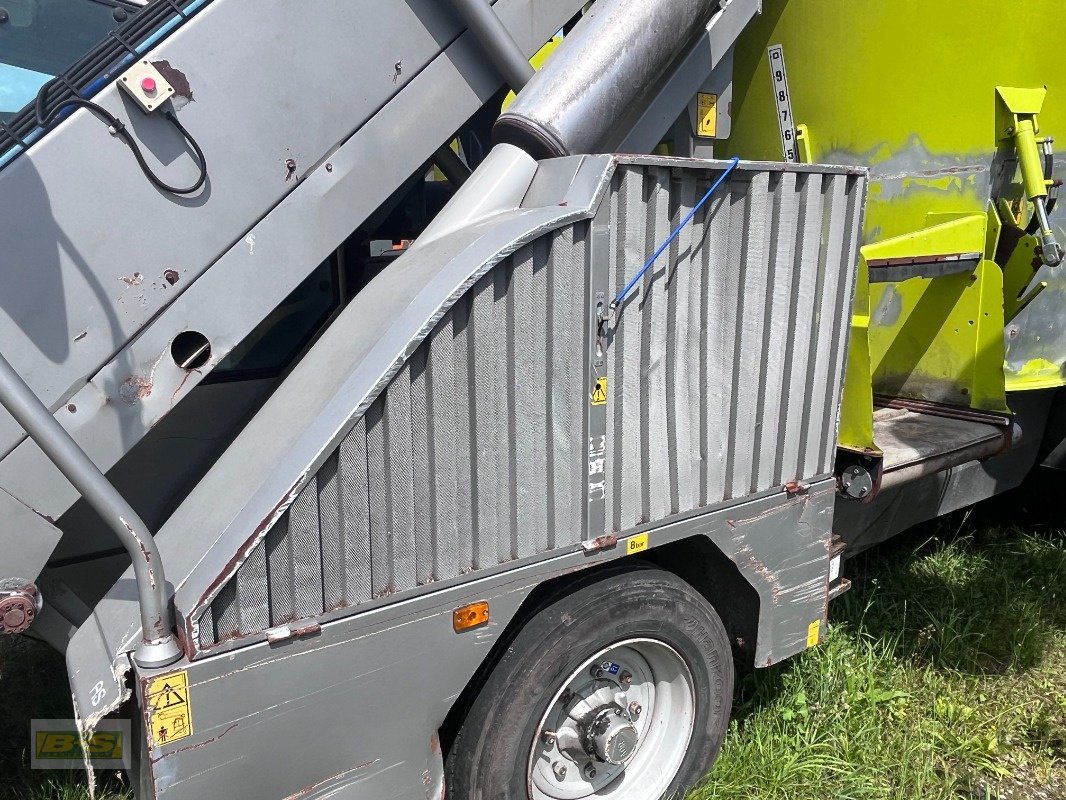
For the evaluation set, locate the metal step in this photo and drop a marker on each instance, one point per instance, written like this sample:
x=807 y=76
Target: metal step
x=916 y=444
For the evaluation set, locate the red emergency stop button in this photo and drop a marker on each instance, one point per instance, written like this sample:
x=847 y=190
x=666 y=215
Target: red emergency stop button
x=148 y=84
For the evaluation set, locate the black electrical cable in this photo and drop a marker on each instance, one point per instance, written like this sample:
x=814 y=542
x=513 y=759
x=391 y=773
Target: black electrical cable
x=102 y=57
x=117 y=128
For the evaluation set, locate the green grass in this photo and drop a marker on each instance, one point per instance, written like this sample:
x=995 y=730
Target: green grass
x=943 y=675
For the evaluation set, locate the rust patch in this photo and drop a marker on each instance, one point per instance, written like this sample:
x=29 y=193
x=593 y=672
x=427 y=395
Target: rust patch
x=311 y=787
x=174 y=396
x=136 y=280
x=290 y=169
x=134 y=388
x=71 y=408
x=171 y=276
x=600 y=543
x=795 y=487
x=176 y=78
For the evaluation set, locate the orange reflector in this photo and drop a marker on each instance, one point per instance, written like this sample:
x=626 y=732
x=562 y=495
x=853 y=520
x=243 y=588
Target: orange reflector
x=470 y=616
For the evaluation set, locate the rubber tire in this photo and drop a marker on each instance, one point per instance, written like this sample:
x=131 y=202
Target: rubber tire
x=489 y=756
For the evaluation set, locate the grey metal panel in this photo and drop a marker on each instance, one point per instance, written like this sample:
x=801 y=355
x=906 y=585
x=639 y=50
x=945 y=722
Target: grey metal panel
x=402 y=666
x=88 y=275
x=408 y=441
x=566 y=388
x=354 y=501
x=131 y=386
x=493 y=401
x=781 y=276
x=806 y=283
x=853 y=226
x=726 y=361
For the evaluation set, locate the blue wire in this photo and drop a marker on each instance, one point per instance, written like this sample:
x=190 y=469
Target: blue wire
x=714 y=187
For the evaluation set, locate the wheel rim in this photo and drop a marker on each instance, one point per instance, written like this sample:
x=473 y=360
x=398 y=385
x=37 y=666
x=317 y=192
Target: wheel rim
x=618 y=726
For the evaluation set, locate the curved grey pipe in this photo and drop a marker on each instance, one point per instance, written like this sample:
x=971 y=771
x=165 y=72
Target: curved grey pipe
x=158 y=647
x=597 y=80
x=497 y=41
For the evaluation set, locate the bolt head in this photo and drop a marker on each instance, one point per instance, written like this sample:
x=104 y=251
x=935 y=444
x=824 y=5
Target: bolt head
x=635 y=709
x=548 y=738
x=559 y=768
x=589 y=771
x=17 y=611
x=596 y=671
x=626 y=678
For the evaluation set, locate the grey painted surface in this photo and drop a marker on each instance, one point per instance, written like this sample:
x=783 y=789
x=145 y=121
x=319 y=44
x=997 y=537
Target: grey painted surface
x=474 y=454
x=118 y=389
x=472 y=457
x=725 y=361
x=362 y=700
x=351 y=399
x=26 y=540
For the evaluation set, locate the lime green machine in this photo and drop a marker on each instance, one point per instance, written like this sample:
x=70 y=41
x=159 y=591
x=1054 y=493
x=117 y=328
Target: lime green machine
x=953 y=107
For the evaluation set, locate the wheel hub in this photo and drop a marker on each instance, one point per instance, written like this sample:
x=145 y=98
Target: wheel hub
x=617 y=727
x=611 y=737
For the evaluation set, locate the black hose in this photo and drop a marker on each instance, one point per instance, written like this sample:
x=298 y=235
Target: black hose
x=117 y=128
x=103 y=56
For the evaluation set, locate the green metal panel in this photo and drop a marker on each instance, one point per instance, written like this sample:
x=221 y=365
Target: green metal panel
x=909 y=89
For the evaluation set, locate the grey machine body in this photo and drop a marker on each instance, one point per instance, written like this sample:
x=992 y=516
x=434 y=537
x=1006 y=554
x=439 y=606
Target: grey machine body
x=435 y=441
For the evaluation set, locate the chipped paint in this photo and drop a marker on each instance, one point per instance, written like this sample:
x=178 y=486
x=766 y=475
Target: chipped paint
x=304 y=792
x=192 y=621
x=134 y=388
x=188 y=747
x=135 y=280
x=176 y=78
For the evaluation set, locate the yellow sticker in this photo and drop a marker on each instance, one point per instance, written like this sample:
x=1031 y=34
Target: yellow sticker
x=707 y=114
x=634 y=544
x=599 y=392
x=169 y=708
x=814 y=633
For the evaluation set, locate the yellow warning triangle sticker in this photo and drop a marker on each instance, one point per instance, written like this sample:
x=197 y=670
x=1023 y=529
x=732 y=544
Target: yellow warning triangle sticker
x=599 y=392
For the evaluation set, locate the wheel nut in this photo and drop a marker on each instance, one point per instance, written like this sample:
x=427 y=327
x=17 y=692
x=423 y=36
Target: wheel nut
x=635 y=709
x=626 y=678
x=559 y=768
x=590 y=771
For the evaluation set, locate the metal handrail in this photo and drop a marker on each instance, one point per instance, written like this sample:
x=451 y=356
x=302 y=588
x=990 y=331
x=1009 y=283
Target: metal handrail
x=158 y=647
